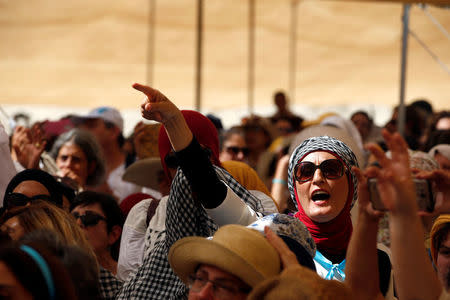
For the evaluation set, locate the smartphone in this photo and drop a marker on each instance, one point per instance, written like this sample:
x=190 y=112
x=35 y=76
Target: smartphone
x=424 y=195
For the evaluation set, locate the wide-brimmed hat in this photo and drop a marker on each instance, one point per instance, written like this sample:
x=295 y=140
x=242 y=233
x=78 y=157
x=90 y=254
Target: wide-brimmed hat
x=238 y=250
x=144 y=172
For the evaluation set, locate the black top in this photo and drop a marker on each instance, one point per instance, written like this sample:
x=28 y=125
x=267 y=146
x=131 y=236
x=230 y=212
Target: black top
x=199 y=171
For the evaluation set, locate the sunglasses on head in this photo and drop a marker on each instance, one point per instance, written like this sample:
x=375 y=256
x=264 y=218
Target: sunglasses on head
x=236 y=150
x=89 y=218
x=330 y=168
x=17 y=199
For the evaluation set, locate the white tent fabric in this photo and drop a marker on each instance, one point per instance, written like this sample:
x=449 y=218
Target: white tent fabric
x=83 y=54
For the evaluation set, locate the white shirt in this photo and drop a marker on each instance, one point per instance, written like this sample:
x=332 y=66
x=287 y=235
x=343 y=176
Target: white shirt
x=121 y=189
x=132 y=240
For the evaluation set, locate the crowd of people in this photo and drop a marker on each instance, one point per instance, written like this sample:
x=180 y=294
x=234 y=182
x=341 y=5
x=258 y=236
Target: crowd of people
x=275 y=207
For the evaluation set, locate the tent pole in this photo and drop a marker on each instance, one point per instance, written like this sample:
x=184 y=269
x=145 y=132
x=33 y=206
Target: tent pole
x=401 y=107
x=293 y=50
x=251 y=55
x=151 y=41
x=199 y=48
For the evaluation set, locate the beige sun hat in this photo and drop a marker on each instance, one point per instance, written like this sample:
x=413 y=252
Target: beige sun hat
x=144 y=172
x=238 y=250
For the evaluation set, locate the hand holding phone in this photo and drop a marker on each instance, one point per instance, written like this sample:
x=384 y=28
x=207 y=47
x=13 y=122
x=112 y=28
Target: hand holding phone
x=424 y=195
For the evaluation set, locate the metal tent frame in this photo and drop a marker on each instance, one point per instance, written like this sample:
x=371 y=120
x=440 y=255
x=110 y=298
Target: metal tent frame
x=292 y=51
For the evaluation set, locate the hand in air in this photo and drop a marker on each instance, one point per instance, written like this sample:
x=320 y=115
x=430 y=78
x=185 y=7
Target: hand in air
x=441 y=183
x=364 y=204
x=156 y=106
x=28 y=145
x=394 y=178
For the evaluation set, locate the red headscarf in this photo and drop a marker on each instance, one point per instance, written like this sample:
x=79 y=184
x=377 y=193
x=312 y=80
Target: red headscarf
x=204 y=131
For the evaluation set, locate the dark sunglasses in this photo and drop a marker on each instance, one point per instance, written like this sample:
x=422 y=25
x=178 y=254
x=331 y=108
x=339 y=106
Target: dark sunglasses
x=17 y=199
x=89 y=218
x=330 y=168
x=236 y=150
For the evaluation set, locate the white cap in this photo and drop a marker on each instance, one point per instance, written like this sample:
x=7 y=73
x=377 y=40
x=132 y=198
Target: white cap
x=106 y=113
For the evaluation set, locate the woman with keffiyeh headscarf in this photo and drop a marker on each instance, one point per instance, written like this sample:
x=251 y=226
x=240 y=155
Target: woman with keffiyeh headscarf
x=202 y=197
x=324 y=189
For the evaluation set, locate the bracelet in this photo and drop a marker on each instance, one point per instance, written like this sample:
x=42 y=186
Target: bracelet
x=279 y=180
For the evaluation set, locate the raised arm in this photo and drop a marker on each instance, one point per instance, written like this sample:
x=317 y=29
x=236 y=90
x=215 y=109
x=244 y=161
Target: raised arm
x=441 y=180
x=362 y=260
x=414 y=274
x=158 y=108
x=279 y=189
x=192 y=159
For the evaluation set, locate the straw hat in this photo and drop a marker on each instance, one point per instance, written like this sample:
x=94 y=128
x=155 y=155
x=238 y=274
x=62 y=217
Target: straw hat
x=238 y=250
x=144 y=172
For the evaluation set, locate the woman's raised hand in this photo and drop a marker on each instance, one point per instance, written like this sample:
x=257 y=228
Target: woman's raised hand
x=28 y=145
x=441 y=181
x=364 y=204
x=394 y=178
x=156 y=106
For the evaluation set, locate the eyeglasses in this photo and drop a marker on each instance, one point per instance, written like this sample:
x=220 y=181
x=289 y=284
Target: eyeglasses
x=331 y=169
x=89 y=218
x=236 y=150
x=17 y=199
x=221 y=290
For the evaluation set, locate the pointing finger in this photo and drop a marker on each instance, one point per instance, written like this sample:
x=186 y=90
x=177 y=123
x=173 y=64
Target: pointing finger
x=145 y=89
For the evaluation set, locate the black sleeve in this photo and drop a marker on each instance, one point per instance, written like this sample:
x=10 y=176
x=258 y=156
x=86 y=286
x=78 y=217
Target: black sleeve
x=199 y=171
x=384 y=268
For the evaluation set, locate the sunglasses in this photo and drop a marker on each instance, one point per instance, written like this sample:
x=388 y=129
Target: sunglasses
x=89 y=218
x=236 y=150
x=17 y=199
x=330 y=168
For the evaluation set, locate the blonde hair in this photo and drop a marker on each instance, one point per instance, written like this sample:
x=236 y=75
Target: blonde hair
x=43 y=215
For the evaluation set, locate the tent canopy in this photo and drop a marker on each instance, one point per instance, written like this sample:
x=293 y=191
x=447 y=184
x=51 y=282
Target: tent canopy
x=88 y=53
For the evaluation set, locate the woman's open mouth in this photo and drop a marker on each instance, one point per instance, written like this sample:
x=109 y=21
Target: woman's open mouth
x=320 y=195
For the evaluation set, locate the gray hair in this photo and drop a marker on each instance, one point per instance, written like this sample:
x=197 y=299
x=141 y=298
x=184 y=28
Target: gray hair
x=90 y=147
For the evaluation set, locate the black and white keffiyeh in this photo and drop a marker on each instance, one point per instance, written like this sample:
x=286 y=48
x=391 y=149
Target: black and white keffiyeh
x=109 y=284
x=184 y=217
